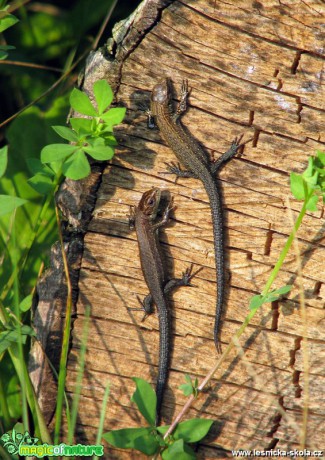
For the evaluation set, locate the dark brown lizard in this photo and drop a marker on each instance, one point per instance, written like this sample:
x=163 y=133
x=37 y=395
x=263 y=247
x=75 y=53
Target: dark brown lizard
x=144 y=218
x=198 y=165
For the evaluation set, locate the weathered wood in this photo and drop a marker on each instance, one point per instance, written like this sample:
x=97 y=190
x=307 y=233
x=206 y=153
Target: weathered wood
x=253 y=68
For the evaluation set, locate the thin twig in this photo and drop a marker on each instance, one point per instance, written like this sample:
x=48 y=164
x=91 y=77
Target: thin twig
x=104 y=24
x=49 y=90
x=31 y=65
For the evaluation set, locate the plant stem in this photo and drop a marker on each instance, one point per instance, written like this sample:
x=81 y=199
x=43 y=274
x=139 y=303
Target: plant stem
x=286 y=248
x=4 y=407
x=65 y=342
x=19 y=345
x=304 y=346
x=102 y=417
x=24 y=378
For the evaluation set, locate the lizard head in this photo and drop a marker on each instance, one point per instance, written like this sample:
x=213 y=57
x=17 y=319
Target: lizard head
x=160 y=93
x=149 y=203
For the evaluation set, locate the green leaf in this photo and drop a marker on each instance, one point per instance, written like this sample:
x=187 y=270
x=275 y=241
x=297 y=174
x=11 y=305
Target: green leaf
x=256 y=302
x=297 y=185
x=162 y=429
x=312 y=180
x=142 y=439
x=55 y=166
x=109 y=138
x=3 y=159
x=56 y=152
x=9 y=336
x=321 y=156
x=4 y=342
x=312 y=203
x=103 y=94
x=271 y=296
x=282 y=290
x=27 y=330
x=145 y=398
x=9 y=204
x=114 y=116
x=81 y=103
x=66 y=133
x=3 y=54
x=76 y=166
x=13 y=389
x=178 y=450
x=192 y=430
x=101 y=153
x=42 y=183
x=21 y=148
x=189 y=387
x=8 y=21
x=186 y=388
x=7 y=47
x=26 y=303
x=310 y=168
x=320 y=169
x=82 y=125
x=36 y=166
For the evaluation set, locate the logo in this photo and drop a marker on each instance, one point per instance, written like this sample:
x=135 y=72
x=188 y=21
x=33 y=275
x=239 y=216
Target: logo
x=25 y=445
x=13 y=440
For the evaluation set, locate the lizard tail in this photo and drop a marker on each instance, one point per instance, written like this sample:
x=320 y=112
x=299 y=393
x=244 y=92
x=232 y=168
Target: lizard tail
x=218 y=237
x=164 y=354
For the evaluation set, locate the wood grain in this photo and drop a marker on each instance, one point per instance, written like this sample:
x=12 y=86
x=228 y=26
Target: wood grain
x=254 y=68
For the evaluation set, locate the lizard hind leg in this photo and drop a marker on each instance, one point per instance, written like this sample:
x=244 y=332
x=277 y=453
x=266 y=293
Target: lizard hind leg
x=146 y=306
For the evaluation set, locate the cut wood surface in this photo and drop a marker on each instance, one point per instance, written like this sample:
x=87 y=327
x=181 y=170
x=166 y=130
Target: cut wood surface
x=257 y=69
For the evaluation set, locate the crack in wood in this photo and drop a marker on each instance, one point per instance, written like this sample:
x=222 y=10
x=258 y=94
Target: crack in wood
x=275 y=315
x=295 y=62
x=292 y=353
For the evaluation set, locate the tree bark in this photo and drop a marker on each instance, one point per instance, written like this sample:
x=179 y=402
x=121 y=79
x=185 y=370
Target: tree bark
x=254 y=68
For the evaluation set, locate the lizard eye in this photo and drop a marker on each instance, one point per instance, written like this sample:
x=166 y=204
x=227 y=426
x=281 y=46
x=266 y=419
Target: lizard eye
x=151 y=202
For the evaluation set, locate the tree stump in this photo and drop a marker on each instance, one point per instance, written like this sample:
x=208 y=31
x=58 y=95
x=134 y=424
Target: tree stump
x=254 y=68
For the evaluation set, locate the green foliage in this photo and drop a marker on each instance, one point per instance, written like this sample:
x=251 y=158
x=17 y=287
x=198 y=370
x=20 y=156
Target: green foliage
x=8 y=203
x=11 y=389
x=12 y=335
x=308 y=187
x=258 y=300
x=26 y=303
x=149 y=440
x=189 y=388
x=145 y=398
x=17 y=181
x=54 y=37
x=192 y=430
x=180 y=450
x=36 y=180
x=143 y=439
x=3 y=160
x=93 y=137
x=6 y=20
